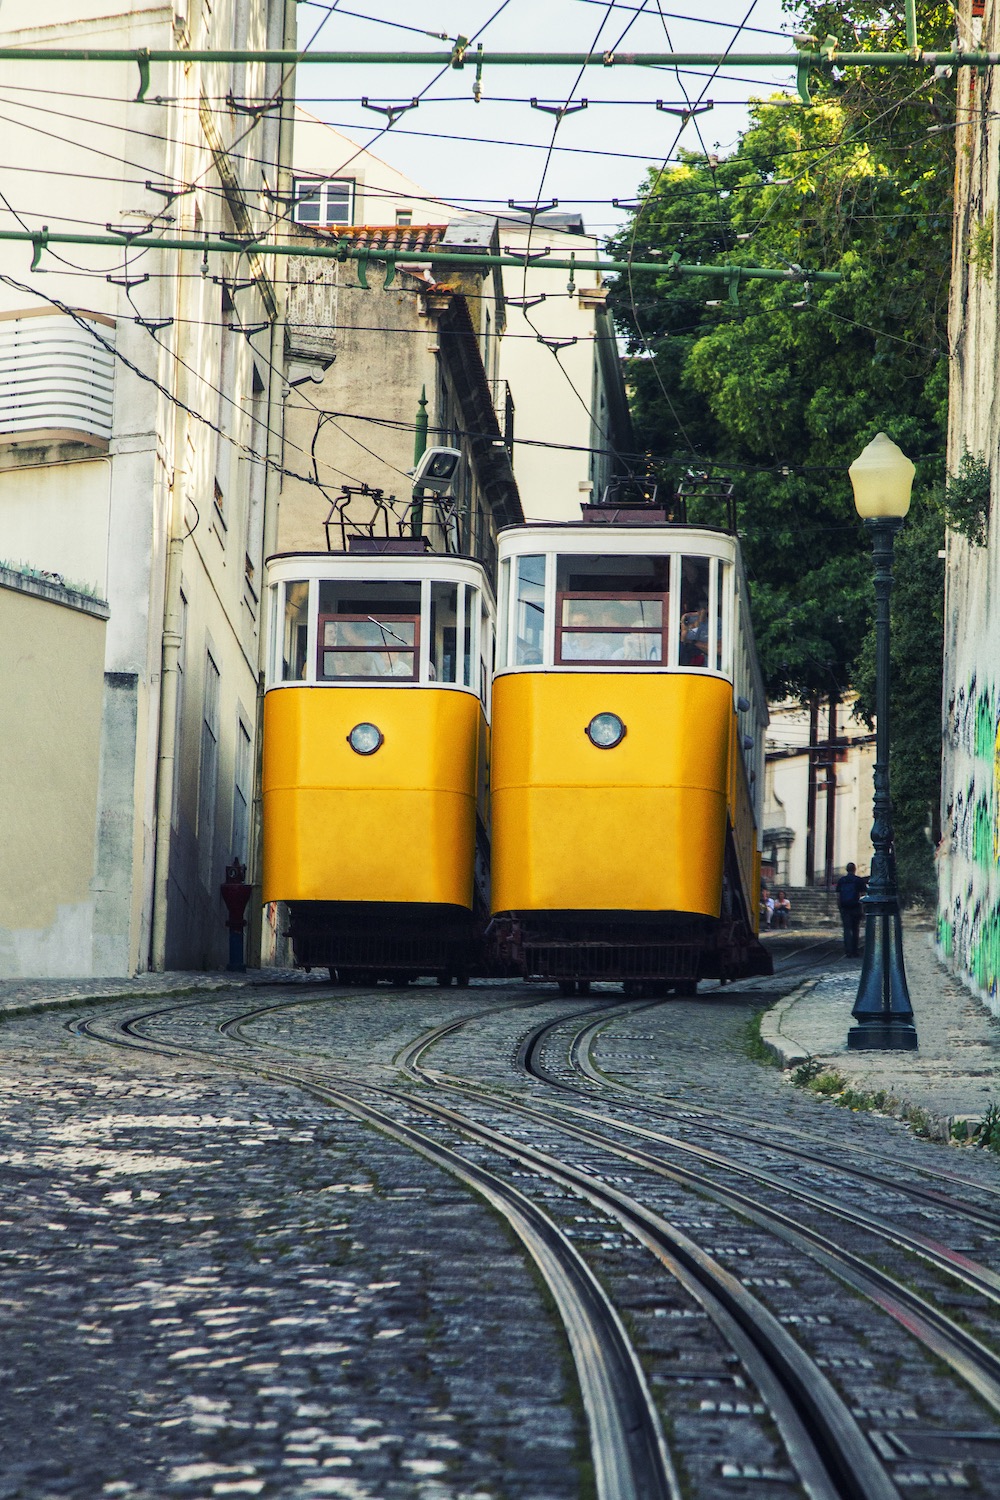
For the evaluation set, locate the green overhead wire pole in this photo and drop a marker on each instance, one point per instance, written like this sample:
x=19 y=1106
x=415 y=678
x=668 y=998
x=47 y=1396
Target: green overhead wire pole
x=670 y=265
x=419 y=449
x=803 y=60
x=820 y=57
x=911 y=24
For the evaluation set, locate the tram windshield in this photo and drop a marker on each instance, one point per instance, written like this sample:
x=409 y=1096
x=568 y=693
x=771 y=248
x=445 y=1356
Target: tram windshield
x=368 y=630
x=612 y=608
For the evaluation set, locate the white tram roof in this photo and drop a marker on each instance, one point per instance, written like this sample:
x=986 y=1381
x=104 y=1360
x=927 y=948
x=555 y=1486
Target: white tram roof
x=591 y=537
x=291 y=566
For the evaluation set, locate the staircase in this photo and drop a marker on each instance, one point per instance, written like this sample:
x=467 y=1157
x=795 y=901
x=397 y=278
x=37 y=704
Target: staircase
x=812 y=906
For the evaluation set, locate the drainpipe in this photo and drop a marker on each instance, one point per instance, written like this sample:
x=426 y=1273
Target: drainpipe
x=272 y=489
x=419 y=449
x=169 y=658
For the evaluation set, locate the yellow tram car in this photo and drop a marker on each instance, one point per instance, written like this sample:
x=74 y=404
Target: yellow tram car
x=627 y=776
x=375 y=769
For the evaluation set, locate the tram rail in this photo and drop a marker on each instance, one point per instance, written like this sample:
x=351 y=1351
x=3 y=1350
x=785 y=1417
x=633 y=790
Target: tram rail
x=829 y=1451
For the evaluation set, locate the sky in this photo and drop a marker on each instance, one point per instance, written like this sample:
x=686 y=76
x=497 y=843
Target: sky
x=486 y=154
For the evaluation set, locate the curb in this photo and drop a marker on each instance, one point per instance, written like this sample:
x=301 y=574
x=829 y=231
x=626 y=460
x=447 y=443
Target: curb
x=191 y=984
x=786 y=1053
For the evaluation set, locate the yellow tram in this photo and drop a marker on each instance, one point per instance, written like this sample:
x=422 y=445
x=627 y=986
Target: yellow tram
x=376 y=745
x=627 y=776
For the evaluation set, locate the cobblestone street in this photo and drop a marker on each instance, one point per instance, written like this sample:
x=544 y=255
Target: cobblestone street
x=223 y=1282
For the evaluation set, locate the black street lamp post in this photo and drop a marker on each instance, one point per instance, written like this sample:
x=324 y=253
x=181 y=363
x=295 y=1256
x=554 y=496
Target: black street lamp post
x=882 y=477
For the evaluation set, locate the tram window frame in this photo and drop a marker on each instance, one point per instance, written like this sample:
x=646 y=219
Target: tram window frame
x=342 y=617
x=443 y=664
x=523 y=645
x=293 y=667
x=659 y=633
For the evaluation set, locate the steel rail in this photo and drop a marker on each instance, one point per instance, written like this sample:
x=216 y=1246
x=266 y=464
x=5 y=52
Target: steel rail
x=581 y=1058
x=628 y=1451
x=824 y=1443
x=674 y=1108
x=976 y=1364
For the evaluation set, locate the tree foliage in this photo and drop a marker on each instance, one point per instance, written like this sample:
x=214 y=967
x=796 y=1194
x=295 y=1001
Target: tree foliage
x=779 y=385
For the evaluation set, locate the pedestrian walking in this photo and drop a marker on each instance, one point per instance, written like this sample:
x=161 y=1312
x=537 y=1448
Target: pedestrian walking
x=850 y=888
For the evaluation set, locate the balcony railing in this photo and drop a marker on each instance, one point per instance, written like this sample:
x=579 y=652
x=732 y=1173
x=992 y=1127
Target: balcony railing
x=503 y=405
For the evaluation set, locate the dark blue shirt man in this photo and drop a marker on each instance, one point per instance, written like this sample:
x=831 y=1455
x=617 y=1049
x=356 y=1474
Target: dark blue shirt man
x=850 y=888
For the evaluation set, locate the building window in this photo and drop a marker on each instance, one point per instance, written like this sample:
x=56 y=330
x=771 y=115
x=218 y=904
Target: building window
x=404 y=216
x=209 y=771
x=241 y=793
x=182 y=625
x=324 y=204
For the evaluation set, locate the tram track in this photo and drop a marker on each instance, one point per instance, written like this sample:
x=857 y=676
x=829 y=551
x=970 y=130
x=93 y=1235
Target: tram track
x=628 y=1452
x=829 y=1451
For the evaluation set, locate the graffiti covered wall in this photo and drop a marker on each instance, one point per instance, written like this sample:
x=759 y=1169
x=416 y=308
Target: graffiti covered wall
x=969 y=854
x=969 y=867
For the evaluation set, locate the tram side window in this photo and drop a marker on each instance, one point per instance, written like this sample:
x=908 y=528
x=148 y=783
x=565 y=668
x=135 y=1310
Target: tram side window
x=696 y=630
x=368 y=630
x=471 y=605
x=294 y=648
x=444 y=658
x=529 y=611
x=612 y=608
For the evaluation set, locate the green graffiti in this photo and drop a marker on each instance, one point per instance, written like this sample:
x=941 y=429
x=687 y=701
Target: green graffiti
x=984 y=954
x=945 y=934
x=985 y=726
x=983 y=853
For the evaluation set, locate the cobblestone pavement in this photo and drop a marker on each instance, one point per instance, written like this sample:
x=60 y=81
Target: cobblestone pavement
x=955 y=1072
x=215 y=1284
x=213 y=1287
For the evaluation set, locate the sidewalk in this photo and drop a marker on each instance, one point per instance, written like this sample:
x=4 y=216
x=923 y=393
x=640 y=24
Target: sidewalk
x=954 y=1074
x=19 y=997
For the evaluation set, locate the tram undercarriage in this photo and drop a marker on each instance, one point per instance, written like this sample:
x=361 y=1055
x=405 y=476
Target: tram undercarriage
x=387 y=940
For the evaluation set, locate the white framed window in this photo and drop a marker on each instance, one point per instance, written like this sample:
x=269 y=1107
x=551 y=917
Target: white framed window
x=324 y=203
x=241 y=790
x=208 y=779
x=404 y=216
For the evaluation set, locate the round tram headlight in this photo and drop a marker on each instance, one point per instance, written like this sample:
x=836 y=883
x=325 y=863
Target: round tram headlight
x=605 y=731
x=365 y=739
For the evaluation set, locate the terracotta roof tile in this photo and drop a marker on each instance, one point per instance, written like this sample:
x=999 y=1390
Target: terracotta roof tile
x=388 y=236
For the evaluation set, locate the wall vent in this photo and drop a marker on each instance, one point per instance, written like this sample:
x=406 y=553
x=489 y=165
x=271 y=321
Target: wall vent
x=56 y=380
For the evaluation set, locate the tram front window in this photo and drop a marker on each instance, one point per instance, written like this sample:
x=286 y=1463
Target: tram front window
x=444 y=608
x=368 y=630
x=529 y=611
x=294 y=647
x=696 y=645
x=612 y=609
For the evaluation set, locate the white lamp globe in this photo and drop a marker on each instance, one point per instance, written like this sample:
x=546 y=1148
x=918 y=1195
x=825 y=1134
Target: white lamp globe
x=882 y=477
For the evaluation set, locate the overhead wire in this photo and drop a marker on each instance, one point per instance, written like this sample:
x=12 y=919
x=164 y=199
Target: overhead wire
x=560 y=117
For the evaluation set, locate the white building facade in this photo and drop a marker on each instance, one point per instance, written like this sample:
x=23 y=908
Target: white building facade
x=969 y=853
x=137 y=416
x=556 y=370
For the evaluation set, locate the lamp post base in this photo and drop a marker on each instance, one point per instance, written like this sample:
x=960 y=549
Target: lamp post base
x=882 y=1036
x=882 y=1009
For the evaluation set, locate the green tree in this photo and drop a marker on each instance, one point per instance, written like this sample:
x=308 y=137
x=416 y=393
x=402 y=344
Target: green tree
x=778 y=385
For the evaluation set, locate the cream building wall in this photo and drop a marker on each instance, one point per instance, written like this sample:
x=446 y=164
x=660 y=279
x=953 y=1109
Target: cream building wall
x=570 y=411
x=52 y=669
x=161 y=509
x=969 y=853
x=786 y=795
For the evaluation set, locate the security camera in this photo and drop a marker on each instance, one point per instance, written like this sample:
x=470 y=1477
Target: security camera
x=436 y=469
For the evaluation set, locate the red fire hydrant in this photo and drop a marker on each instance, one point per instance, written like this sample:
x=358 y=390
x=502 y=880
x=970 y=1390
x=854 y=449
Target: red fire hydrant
x=236 y=894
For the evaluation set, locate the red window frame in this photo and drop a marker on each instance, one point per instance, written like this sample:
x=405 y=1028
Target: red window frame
x=398 y=650
x=647 y=596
